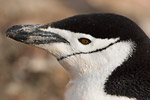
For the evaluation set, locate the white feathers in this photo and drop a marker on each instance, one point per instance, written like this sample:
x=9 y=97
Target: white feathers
x=92 y=70
x=89 y=72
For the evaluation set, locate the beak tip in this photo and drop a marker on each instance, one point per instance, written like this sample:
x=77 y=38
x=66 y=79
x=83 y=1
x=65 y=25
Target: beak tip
x=30 y=34
x=12 y=30
x=14 y=33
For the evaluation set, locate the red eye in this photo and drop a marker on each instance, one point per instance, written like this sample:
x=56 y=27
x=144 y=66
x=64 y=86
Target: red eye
x=84 y=41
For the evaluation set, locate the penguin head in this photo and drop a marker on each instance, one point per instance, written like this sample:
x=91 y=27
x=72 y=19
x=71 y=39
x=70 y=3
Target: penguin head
x=84 y=43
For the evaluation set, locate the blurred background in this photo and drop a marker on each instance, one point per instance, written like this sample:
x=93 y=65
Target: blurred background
x=28 y=73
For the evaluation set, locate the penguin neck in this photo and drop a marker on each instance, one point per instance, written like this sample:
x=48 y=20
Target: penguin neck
x=89 y=75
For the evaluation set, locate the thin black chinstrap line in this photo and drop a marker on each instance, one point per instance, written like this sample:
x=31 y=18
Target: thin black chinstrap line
x=78 y=53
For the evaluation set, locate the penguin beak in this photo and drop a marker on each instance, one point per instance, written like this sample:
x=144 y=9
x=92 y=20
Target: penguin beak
x=31 y=34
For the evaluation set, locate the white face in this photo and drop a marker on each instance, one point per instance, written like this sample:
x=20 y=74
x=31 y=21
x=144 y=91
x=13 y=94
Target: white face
x=78 y=58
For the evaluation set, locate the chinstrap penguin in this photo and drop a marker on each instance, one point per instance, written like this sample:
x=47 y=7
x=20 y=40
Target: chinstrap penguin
x=106 y=55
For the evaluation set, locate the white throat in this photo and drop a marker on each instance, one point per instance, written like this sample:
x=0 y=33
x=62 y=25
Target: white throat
x=89 y=72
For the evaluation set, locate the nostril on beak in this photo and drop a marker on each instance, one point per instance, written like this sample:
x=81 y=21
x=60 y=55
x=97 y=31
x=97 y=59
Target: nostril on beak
x=44 y=26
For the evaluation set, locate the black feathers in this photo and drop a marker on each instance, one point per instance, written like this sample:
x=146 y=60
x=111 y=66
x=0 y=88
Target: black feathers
x=132 y=78
x=102 y=26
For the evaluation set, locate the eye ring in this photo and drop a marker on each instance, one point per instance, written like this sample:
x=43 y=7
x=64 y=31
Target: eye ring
x=84 y=41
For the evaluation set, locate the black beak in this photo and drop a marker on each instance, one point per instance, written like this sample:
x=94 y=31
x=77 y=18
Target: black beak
x=32 y=34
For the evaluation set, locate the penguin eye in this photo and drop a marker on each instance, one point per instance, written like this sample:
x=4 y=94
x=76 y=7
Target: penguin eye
x=84 y=41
